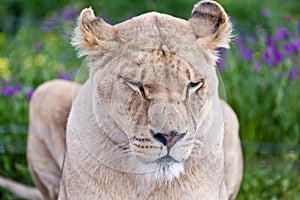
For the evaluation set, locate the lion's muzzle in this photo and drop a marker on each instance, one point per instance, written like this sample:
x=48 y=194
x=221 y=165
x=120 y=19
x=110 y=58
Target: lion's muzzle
x=168 y=139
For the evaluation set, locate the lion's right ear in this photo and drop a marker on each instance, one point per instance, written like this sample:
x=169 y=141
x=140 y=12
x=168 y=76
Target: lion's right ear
x=211 y=25
x=90 y=32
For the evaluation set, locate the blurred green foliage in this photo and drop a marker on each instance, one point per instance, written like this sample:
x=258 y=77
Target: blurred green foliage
x=35 y=47
x=14 y=12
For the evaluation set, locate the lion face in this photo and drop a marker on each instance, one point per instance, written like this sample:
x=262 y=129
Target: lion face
x=154 y=81
x=159 y=100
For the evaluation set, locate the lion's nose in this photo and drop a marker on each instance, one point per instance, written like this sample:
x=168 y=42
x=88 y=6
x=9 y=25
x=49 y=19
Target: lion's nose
x=168 y=139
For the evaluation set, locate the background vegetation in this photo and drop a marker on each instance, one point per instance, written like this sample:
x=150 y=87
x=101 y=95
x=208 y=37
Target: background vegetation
x=260 y=74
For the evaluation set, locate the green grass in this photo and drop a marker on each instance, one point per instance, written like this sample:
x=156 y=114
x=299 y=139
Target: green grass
x=265 y=99
x=270 y=176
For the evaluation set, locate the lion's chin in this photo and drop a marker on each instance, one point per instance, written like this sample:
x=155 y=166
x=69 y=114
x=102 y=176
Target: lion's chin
x=168 y=169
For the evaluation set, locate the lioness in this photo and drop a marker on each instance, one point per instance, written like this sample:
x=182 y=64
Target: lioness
x=148 y=123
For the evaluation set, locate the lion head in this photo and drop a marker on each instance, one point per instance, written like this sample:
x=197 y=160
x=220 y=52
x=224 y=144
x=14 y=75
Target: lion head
x=154 y=88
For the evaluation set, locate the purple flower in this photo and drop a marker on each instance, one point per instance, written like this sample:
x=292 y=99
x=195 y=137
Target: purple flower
x=64 y=76
x=293 y=74
x=11 y=90
x=297 y=44
x=240 y=42
x=265 y=13
x=8 y=91
x=46 y=26
x=220 y=64
x=277 y=57
x=29 y=93
x=270 y=42
x=69 y=13
x=256 y=67
x=281 y=34
x=267 y=55
x=246 y=53
x=272 y=56
x=289 y=48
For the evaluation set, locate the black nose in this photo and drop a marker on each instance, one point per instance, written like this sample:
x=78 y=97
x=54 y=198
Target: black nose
x=168 y=139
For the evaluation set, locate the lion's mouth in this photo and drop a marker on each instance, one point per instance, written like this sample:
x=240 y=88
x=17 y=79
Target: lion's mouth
x=167 y=159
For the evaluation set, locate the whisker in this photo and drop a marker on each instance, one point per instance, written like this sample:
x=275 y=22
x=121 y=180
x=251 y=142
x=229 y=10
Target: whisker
x=125 y=144
x=114 y=155
x=117 y=152
x=121 y=145
x=119 y=149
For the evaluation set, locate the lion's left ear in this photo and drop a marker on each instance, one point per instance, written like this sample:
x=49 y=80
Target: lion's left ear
x=211 y=25
x=91 y=32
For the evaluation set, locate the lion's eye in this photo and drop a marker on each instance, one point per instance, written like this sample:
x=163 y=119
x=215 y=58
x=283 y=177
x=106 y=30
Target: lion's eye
x=193 y=86
x=137 y=86
x=142 y=90
x=197 y=85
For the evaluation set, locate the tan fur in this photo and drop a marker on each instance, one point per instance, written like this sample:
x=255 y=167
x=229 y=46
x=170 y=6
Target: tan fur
x=58 y=89
x=151 y=75
x=49 y=110
x=233 y=153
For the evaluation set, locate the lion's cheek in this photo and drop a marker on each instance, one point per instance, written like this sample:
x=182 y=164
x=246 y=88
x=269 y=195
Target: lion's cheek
x=198 y=107
x=181 y=150
x=138 y=110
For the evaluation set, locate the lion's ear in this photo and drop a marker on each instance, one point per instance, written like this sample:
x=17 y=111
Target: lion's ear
x=211 y=25
x=90 y=32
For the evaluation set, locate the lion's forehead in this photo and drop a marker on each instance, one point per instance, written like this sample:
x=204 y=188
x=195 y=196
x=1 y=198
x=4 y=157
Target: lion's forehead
x=160 y=67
